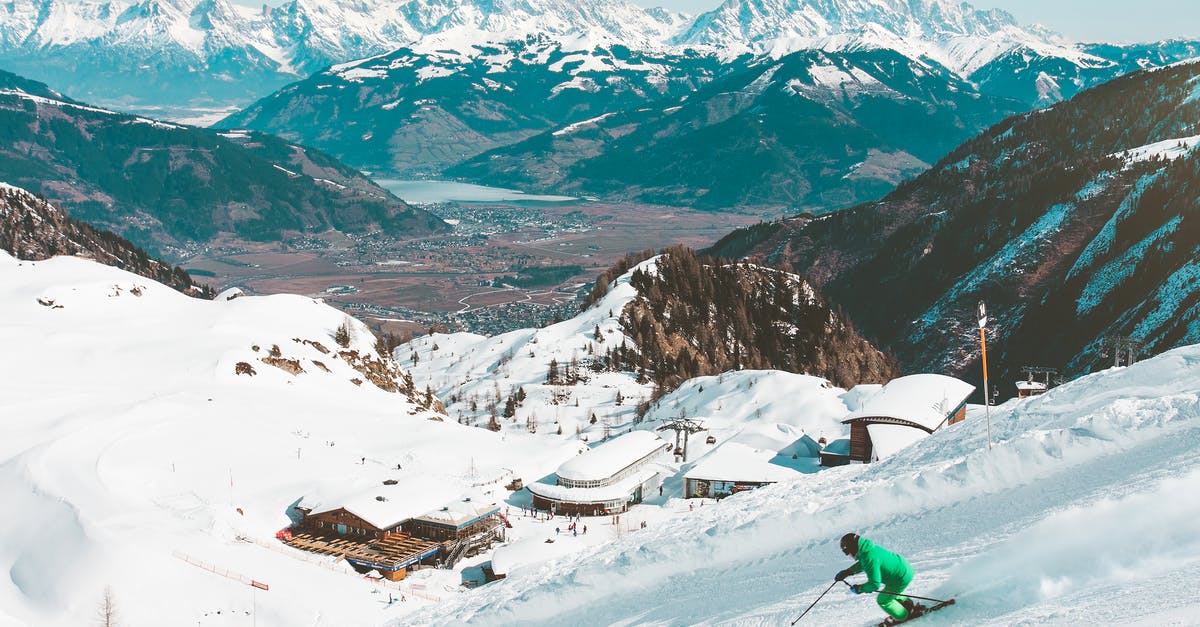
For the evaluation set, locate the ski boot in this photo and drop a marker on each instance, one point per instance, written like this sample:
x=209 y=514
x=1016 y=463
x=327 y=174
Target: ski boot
x=914 y=609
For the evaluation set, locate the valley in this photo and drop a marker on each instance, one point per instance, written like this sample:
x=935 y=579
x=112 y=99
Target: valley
x=458 y=279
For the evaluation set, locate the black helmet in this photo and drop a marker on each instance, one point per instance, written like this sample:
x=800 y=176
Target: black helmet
x=850 y=544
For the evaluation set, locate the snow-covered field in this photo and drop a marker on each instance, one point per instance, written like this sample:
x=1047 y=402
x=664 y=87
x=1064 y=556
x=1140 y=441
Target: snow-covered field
x=133 y=457
x=128 y=443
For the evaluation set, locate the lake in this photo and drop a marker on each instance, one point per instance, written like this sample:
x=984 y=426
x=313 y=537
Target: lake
x=429 y=192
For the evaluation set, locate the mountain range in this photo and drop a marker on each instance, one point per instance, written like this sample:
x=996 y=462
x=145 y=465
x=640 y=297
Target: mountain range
x=817 y=105
x=169 y=186
x=1073 y=224
x=149 y=54
x=166 y=54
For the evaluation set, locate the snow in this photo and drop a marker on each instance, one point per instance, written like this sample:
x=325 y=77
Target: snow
x=737 y=462
x=887 y=440
x=53 y=103
x=1170 y=299
x=132 y=456
x=359 y=74
x=1081 y=494
x=571 y=128
x=1102 y=243
x=1116 y=271
x=1169 y=149
x=433 y=71
x=144 y=443
x=409 y=498
x=923 y=399
x=610 y=458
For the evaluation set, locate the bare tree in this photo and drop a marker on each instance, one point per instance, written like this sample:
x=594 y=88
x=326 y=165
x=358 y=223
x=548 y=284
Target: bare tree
x=108 y=609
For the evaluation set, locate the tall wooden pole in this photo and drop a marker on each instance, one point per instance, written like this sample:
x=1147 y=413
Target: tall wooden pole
x=986 y=405
x=987 y=410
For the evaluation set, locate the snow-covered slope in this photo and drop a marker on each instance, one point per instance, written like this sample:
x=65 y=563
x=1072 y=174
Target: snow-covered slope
x=476 y=375
x=588 y=375
x=1078 y=513
x=129 y=443
x=133 y=457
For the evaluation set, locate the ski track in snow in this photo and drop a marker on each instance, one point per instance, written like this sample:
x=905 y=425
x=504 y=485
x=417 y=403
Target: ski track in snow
x=1080 y=495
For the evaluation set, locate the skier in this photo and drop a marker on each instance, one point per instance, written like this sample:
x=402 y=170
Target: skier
x=884 y=569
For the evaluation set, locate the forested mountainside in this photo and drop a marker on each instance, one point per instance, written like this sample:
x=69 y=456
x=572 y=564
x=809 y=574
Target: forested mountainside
x=32 y=229
x=697 y=316
x=1073 y=224
x=813 y=130
x=417 y=112
x=166 y=184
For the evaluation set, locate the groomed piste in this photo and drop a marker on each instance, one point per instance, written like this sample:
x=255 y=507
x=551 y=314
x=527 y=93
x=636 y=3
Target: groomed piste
x=1082 y=512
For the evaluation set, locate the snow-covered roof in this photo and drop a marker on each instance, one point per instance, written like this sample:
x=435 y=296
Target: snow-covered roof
x=857 y=396
x=886 y=439
x=407 y=499
x=922 y=399
x=838 y=447
x=1031 y=385
x=611 y=457
x=462 y=511
x=615 y=492
x=738 y=462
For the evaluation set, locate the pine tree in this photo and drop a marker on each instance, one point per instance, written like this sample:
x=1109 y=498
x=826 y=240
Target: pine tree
x=342 y=335
x=552 y=374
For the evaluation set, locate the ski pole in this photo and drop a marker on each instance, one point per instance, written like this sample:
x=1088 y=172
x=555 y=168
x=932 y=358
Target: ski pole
x=814 y=603
x=904 y=594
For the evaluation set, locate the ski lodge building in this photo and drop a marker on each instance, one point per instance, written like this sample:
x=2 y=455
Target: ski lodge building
x=904 y=411
x=736 y=467
x=606 y=479
x=396 y=526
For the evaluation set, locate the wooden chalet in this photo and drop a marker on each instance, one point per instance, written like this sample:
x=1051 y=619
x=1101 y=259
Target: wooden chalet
x=457 y=521
x=904 y=411
x=836 y=453
x=393 y=528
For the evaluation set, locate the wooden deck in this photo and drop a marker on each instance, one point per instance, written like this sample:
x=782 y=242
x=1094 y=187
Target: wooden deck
x=392 y=552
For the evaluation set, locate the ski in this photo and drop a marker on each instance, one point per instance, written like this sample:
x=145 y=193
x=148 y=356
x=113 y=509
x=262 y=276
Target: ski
x=917 y=612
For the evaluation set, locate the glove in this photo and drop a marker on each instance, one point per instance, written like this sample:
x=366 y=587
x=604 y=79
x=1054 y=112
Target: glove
x=854 y=589
x=841 y=576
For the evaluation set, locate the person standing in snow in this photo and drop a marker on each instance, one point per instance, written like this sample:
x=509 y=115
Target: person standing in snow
x=884 y=570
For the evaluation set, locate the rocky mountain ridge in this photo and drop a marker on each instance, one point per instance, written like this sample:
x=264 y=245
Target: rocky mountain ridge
x=1074 y=224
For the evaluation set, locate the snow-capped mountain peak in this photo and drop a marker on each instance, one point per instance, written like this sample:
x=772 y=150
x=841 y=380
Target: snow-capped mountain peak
x=955 y=34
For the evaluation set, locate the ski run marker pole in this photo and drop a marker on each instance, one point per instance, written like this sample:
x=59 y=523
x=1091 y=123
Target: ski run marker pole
x=814 y=603
x=904 y=594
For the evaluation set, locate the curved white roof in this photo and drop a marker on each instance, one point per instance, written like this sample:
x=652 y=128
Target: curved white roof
x=923 y=399
x=619 y=491
x=611 y=457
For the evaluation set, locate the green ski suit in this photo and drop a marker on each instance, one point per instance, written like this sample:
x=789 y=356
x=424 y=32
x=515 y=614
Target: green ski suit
x=885 y=570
